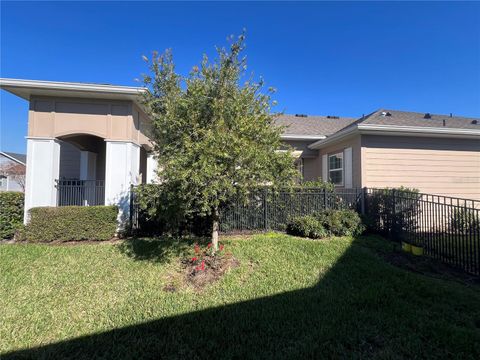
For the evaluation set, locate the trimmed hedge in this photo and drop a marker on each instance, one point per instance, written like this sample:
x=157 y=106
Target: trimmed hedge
x=11 y=213
x=71 y=223
x=327 y=223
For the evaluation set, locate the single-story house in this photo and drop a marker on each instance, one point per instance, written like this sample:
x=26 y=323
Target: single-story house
x=12 y=171
x=88 y=143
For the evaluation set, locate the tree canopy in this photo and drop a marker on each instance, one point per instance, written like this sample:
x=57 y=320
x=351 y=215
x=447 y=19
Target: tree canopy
x=213 y=132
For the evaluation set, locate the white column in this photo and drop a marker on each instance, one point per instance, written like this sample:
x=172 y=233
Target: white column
x=122 y=169
x=43 y=167
x=88 y=165
x=152 y=165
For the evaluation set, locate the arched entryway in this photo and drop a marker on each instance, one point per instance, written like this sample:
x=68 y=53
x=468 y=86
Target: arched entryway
x=81 y=179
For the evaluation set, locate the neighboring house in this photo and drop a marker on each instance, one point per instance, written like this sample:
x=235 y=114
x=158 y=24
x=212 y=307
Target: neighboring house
x=94 y=139
x=12 y=171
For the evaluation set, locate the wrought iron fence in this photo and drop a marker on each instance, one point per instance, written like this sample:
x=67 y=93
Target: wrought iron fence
x=80 y=192
x=446 y=228
x=266 y=210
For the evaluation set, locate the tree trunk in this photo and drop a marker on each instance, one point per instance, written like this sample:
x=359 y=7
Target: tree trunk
x=215 y=227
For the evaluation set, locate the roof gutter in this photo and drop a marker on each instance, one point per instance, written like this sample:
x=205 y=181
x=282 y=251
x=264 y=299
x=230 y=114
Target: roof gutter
x=12 y=158
x=393 y=130
x=54 y=85
x=302 y=137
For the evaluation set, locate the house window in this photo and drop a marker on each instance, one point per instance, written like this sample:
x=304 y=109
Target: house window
x=335 y=168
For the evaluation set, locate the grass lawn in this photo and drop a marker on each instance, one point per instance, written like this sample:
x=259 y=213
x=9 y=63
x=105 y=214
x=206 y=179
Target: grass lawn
x=289 y=298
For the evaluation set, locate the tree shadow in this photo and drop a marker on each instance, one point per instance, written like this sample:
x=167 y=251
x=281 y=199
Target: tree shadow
x=360 y=308
x=161 y=249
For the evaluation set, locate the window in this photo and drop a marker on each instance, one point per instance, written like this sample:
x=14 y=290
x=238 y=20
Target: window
x=335 y=168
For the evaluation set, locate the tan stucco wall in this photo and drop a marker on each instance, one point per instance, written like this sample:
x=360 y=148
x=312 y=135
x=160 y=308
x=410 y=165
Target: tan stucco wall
x=353 y=142
x=437 y=166
x=108 y=119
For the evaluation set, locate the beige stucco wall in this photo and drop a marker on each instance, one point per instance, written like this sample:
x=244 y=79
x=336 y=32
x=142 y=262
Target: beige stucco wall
x=353 y=142
x=108 y=119
x=437 y=166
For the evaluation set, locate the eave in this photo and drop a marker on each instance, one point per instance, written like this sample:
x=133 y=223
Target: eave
x=392 y=130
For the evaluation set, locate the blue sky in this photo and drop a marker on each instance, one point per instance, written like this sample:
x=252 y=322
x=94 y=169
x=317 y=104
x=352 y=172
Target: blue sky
x=324 y=58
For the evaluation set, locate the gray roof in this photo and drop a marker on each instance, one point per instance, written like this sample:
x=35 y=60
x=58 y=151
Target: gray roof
x=311 y=125
x=408 y=118
x=21 y=158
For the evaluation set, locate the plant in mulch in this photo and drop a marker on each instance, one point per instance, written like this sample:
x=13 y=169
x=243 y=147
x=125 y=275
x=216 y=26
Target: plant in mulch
x=204 y=266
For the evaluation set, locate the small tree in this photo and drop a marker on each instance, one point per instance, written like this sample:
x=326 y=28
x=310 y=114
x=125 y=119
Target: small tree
x=213 y=135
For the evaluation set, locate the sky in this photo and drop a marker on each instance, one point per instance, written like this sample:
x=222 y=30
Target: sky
x=344 y=59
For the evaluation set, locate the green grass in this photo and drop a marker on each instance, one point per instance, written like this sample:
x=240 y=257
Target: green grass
x=289 y=298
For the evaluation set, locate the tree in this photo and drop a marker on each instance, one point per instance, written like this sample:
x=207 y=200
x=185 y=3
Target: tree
x=14 y=171
x=213 y=135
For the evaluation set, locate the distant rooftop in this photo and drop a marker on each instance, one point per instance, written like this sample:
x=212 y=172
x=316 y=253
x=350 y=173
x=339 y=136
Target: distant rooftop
x=21 y=158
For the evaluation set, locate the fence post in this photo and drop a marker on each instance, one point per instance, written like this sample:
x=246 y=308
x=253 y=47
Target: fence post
x=362 y=200
x=324 y=199
x=265 y=210
x=131 y=210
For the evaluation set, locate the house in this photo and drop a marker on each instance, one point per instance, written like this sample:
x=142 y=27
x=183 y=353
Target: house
x=12 y=171
x=88 y=143
x=437 y=154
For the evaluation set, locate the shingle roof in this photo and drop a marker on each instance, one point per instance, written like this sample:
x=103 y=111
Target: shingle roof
x=311 y=125
x=22 y=158
x=408 y=118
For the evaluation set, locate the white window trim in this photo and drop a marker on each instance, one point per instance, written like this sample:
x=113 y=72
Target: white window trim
x=342 y=169
x=300 y=166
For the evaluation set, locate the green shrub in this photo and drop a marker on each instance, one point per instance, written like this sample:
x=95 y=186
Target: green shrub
x=341 y=222
x=464 y=221
x=11 y=213
x=306 y=226
x=160 y=212
x=71 y=223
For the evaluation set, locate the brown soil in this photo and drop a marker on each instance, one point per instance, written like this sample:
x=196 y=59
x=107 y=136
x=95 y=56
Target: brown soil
x=215 y=268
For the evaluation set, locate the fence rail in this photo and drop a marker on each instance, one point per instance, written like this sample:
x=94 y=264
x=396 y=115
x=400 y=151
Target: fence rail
x=265 y=210
x=80 y=192
x=447 y=228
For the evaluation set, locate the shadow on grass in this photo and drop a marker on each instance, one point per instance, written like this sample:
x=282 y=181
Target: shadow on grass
x=160 y=250
x=361 y=308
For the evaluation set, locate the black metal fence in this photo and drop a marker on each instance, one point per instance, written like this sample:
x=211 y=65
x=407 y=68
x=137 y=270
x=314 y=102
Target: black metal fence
x=80 y=192
x=266 y=210
x=446 y=228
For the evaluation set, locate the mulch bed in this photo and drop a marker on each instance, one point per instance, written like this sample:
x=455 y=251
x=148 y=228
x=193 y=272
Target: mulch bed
x=214 y=268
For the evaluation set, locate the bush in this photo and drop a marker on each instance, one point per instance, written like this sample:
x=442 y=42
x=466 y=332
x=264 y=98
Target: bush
x=341 y=222
x=71 y=223
x=11 y=213
x=464 y=221
x=160 y=212
x=306 y=226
